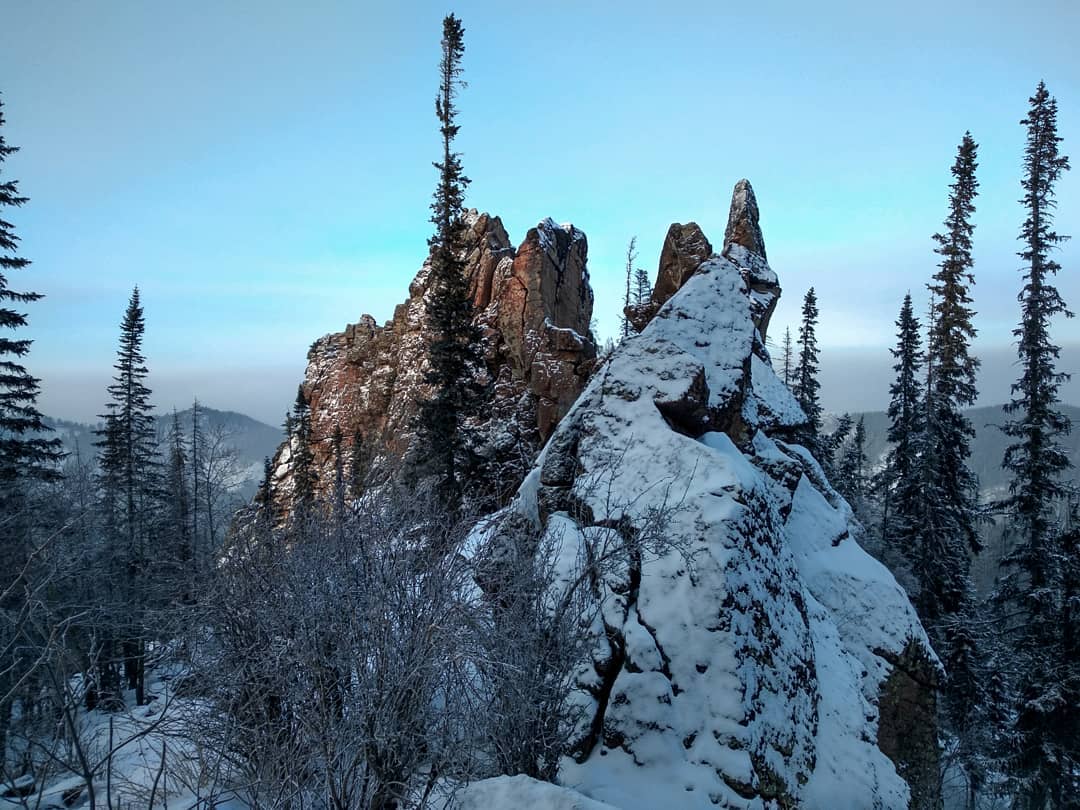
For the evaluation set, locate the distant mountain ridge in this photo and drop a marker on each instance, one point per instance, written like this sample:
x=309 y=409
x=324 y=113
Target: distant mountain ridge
x=252 y=440
x=987 y=448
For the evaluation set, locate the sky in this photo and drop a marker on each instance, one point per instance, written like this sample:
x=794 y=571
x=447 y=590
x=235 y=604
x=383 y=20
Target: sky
x=262 y=170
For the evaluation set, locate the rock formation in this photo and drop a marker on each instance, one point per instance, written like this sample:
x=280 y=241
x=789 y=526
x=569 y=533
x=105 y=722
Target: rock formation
x=533 y=305
x=762 y=659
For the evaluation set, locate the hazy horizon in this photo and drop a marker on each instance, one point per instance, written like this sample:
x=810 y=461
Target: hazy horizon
x=266 y=393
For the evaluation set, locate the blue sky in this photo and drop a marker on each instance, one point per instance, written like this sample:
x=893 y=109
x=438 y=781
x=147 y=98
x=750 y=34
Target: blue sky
x=262 y=170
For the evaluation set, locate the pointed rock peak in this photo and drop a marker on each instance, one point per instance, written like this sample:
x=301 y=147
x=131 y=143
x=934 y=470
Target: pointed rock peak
x=685 y=248
x=742 y=226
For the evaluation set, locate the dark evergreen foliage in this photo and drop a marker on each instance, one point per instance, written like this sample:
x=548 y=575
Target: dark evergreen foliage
x=454 y=356
x=642 y=288
x=851 y=469
x=177 y=526
x=24 y=451
x=954 y=369
x=901 y=486
x=302 y=459
x=806 y=384
x=833 y=445
x=1032 y=573
x=787 y=359
x=131 y=490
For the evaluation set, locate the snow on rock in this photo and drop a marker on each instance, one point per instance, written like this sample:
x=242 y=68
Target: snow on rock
x=523 y=792
x=749 y=662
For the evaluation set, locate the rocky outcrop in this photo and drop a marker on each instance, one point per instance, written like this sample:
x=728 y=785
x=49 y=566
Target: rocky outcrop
x=748 y=653
x=743 y=228
x=686 y=248
x=533 y=306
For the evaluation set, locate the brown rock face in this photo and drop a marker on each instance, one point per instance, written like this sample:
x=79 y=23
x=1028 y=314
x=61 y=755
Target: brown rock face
x=533 y=306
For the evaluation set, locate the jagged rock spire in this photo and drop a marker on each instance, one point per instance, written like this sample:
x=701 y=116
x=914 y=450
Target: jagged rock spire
x=742 y=227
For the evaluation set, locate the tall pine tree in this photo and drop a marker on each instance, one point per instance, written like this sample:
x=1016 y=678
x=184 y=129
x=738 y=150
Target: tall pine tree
x=24 y=451
x=131 y=490
x=951 y=333
x=902 y=492
x=947 y=532
x=453 y=353
x=177 y=523
x=806 y=385
x=787 y=359
x=1032 y=573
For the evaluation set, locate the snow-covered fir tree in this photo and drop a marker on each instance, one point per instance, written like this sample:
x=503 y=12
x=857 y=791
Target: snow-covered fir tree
x=949 y=530
x=1043 y=766
x=948 y=347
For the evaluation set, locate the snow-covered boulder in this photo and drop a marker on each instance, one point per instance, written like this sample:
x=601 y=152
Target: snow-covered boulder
x=758 y=662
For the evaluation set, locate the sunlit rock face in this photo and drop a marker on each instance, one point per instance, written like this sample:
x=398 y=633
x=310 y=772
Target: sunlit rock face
x=533 y=306
x=762 y=660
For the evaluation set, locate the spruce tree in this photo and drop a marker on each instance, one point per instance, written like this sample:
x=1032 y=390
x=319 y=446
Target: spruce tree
x=787 y=359
x=642 y=288
x=902 y=490
x=179 y=513
x=302 y=461
x=834 y=444
x=946 y=530
x=851 y=469
x=951 y=333
x=197 y=442
x=454 y=356
x=24 y=452
x=806 y=385
x=1032 y=574
x=131 y=492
